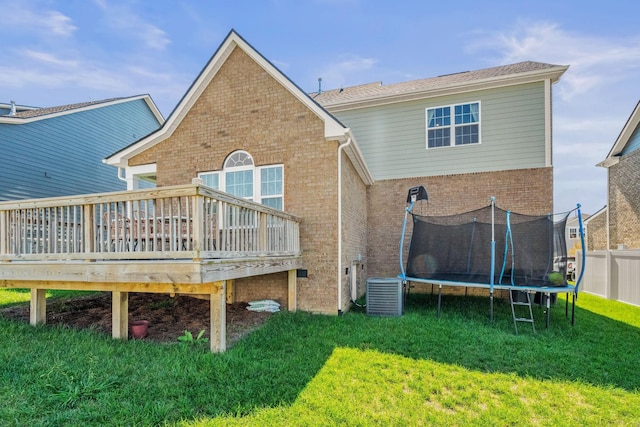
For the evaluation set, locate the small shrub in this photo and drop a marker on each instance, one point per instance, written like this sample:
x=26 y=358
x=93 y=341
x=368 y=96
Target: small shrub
x=188 y=339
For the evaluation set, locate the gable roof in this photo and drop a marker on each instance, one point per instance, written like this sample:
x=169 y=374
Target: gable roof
x=34 y=114
x=623 y=138
x=333 y=129
x=376 y=93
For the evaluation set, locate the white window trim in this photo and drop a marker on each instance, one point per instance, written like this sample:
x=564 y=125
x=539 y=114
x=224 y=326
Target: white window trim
x=452 y=126
x=257 y=180
x=573 y=230
x=201 y=174
x=257 y=185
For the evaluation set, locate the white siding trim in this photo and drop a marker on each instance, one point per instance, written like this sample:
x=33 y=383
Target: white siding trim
x=132 y=174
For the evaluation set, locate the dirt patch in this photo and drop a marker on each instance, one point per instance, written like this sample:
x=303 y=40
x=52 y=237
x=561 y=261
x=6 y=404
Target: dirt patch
x=168 y=317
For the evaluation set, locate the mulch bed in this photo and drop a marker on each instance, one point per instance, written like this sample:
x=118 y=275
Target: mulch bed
x=168 y=317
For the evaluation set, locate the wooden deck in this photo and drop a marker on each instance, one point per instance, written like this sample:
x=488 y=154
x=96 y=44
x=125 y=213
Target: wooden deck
x=186 y=239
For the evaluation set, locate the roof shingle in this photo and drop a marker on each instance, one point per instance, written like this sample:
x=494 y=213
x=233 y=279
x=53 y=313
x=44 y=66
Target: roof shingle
x=377 y=89
x=38 y=112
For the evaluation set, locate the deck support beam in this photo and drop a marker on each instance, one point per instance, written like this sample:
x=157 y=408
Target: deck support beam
x=120 y=315
x=292 y=295
x=231 y=295
x=218 y=318
x=38 y=307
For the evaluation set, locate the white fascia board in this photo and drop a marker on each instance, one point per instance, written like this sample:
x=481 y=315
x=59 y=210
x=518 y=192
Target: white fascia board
x=551 y=74
x=625 y=134
x=608 y=162
x=147 y=99
x=154 y=109
x=333 y=129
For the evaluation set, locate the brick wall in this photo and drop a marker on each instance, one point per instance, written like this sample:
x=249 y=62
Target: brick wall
x=354 y=232
x=624 y=202
x=528 y=191
x=244 y=108
x=596 y=235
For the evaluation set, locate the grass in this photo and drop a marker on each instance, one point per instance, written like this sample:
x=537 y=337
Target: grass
x=312 y=370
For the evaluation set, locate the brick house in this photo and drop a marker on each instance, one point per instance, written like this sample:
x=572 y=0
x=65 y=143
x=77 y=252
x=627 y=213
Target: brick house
x=245 y=128
x=343 y=160
x=622 y=214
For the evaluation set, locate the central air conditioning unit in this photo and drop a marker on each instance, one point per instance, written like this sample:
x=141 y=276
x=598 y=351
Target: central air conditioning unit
x=385 y=296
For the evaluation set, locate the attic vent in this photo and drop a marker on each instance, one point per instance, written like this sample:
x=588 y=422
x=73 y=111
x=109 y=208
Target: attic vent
x=384 y=296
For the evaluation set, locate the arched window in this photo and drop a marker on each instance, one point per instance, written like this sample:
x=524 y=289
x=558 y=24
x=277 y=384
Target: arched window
x=240 y=177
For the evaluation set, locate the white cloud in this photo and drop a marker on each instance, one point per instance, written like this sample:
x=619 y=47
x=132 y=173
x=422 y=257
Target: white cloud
x=124 y=19
x=19 y=17
x=49 y=59
x=345 y=69
x=594 y=61
x=282 y=65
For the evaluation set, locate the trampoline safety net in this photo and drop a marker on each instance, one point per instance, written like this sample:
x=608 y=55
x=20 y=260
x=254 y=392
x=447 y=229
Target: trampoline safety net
x=529 y=250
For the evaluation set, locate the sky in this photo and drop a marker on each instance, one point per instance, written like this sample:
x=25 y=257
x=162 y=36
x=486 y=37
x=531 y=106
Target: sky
x=56 y=52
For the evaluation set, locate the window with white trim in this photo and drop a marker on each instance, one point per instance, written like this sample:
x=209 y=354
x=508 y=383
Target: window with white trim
x=240 y=177
x=573 y=232
x=452 y=125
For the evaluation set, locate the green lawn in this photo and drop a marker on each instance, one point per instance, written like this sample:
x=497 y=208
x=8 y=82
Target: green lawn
x=312 y=370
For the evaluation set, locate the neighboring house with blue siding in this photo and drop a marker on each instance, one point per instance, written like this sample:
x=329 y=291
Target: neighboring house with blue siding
x=466 y=137
x=11 y=108
x=58 y=151
x=623 y=188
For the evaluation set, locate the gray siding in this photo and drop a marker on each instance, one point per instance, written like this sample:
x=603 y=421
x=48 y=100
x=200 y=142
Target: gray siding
x=63 y=155
x=393 y=137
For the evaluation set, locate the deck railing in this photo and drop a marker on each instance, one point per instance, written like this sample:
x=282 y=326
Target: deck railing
x=187 y=221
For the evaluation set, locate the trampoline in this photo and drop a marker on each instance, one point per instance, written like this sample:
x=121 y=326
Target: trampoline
x=490 y=248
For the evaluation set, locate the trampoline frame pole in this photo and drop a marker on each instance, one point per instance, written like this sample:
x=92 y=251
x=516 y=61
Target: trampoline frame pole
x=493 y=259
x=404 y=229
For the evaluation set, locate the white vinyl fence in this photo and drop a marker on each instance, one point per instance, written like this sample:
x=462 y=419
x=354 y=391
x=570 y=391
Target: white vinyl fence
x=613 y=274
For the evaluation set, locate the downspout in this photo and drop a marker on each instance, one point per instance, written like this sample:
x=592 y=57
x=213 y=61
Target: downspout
x=341 y=147
x=120 y=175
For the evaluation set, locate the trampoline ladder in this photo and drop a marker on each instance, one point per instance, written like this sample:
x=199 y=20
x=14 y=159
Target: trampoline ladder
x=527 y=303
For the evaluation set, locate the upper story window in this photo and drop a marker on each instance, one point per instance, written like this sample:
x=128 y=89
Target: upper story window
x=453 y=125
x=240 y=177
x=573 y=232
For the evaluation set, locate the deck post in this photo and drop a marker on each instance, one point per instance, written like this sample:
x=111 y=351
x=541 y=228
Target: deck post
x=292 y=300
x=197 y=223
x=218 y=318
x=4 y=232
x=262 y=240
x=231 y=295
x=89 y=229
x=120 y=315
x=38 y=307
